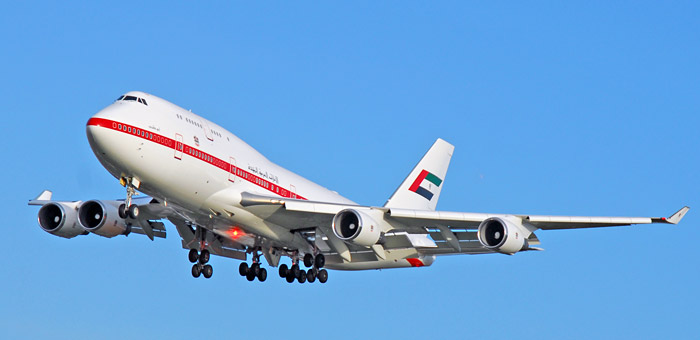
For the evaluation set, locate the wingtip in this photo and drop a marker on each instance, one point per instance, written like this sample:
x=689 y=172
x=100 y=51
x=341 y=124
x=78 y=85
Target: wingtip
x=44 y=196
x=677 y=216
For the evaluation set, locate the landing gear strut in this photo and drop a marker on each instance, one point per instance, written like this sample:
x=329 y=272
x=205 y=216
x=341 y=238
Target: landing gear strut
x=127 y=210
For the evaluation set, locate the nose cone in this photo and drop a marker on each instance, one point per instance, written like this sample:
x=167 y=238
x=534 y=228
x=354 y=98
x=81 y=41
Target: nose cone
x=95 y=128
x=103 y=136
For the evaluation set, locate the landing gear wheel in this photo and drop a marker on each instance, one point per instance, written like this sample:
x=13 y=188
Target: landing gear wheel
x=122 y=211
x=262 y=275
x=243 y=269
x=283 y=270
x=196 y=270
x=320 y=261
x=308 y=260
x=322 y=276
x=311 y=276
x=302 y=276
x=290 y=277
x=204 y=256
x=250 y=275
x=255 y=268
x=207 y=271
x=134 y=211
x=193 y=256
x=295 y=271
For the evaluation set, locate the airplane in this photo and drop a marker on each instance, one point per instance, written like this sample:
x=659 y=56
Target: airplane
x=226 y=199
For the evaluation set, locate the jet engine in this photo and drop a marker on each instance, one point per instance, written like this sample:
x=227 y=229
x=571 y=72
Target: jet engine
x=356 y=227
x=60 y=219
x=502 y=235
x=102 y=218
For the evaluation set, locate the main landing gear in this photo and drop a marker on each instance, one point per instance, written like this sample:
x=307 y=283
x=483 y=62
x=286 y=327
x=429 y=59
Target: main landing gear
x=315 y=272
x=254 y=270
x=200 y=266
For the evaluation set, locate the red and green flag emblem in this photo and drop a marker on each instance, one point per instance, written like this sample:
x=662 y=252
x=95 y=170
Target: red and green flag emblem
x=422 y=184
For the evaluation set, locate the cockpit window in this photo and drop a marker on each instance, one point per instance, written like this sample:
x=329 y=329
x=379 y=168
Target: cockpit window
x=133 y=99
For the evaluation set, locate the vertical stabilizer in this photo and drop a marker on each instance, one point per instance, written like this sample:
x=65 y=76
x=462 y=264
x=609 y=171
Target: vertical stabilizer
x=421 y=189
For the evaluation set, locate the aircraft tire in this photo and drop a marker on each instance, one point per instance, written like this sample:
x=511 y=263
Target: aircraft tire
x=308 y=260
x=193 y=255
x=322 y=276
x=122 y=211
x=262 y=275
x=295 y=270
x=207 y=271
x=290 y=277
x=250 y=276
x=196 y=270
x=204 y=256
x=311 y=276
x=243 y=269
x=255 y=268
x=134 y=211
x=319 y=261
x=283 y=270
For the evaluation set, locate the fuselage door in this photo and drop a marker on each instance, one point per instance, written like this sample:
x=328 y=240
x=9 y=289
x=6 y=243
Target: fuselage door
x=292 y=191
x=232 y=169
x=178 y=146
x=207 y=130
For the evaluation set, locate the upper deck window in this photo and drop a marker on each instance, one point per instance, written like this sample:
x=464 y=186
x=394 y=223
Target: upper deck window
x=133 y=99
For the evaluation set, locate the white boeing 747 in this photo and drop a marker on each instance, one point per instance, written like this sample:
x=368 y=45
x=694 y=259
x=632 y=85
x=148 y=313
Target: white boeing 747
x=226 y=199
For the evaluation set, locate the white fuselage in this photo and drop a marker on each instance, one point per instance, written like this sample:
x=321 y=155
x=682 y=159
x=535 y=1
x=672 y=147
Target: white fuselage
x=184 y=160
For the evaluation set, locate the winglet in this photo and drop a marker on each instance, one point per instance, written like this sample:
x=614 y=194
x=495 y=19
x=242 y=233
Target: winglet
x=673 y=219
x=42 y=198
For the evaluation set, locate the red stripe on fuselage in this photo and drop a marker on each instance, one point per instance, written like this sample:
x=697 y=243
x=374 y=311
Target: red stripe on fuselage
x=194 y=153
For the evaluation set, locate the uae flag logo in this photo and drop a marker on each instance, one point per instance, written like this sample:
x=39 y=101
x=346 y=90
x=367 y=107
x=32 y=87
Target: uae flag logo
x=423 y=184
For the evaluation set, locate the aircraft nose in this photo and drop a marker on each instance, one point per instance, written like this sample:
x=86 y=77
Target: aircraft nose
x=97 y=130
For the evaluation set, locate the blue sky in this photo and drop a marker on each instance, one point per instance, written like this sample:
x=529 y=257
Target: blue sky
x=586 y=108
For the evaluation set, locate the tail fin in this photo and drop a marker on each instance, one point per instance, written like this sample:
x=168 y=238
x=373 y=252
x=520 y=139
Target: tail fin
x=421 y=189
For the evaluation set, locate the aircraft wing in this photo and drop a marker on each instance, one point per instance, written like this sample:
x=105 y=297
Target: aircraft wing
x=428 y=232
x=417 y=218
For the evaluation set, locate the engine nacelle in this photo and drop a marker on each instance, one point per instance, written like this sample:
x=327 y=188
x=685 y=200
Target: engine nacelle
x=502 y=235
x=356 y=227
x=60 y=219
x=102 y=218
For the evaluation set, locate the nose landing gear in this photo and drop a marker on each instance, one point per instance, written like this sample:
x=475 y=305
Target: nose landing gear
x=127 y=210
